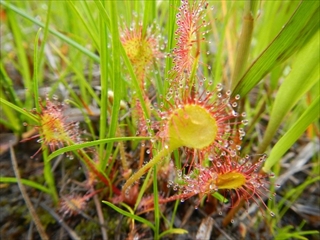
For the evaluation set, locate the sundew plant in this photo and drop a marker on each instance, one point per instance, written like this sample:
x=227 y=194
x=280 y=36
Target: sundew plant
x=159 y=119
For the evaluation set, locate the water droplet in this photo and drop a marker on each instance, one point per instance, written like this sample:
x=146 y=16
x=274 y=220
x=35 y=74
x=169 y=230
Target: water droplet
x=262 y=159
x=242 y=161
x=245 y=122
x=219 y=87
x=233 y=153
x=272 y=214
x=127 y=192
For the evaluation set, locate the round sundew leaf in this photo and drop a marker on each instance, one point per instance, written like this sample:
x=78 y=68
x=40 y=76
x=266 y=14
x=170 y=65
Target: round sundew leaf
x=53 y=128
x=192 y=126
x=231 y=180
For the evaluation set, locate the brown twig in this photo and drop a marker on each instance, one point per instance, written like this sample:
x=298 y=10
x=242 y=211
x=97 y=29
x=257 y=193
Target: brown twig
x=100 y=216
x=26 y=198
x=72 y=234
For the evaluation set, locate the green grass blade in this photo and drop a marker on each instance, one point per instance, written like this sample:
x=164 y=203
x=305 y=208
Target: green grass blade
x=93 y=143
x=12 y=125
x=173 y=231
x=103 y=13
x=7 y=85
x=149 y=15
x=54 y=32
x=89 y=13
x=171 y=26
x=9 y=118
x=130 y=215
x=300 y=27
x=310 y=115
x=127 y=62
x=49 y=174
x=85 y=23
x=220 y=197
x=104 y=62
x=18 y=109
x=116 y=79
x=218 y=63
x=273 y=21
x=156 y=204
x=41 y=69
x=36 y=64
x=304 y=75
x=24 y=68
x=25 y=182
x=143 y=189
x=244 y=41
